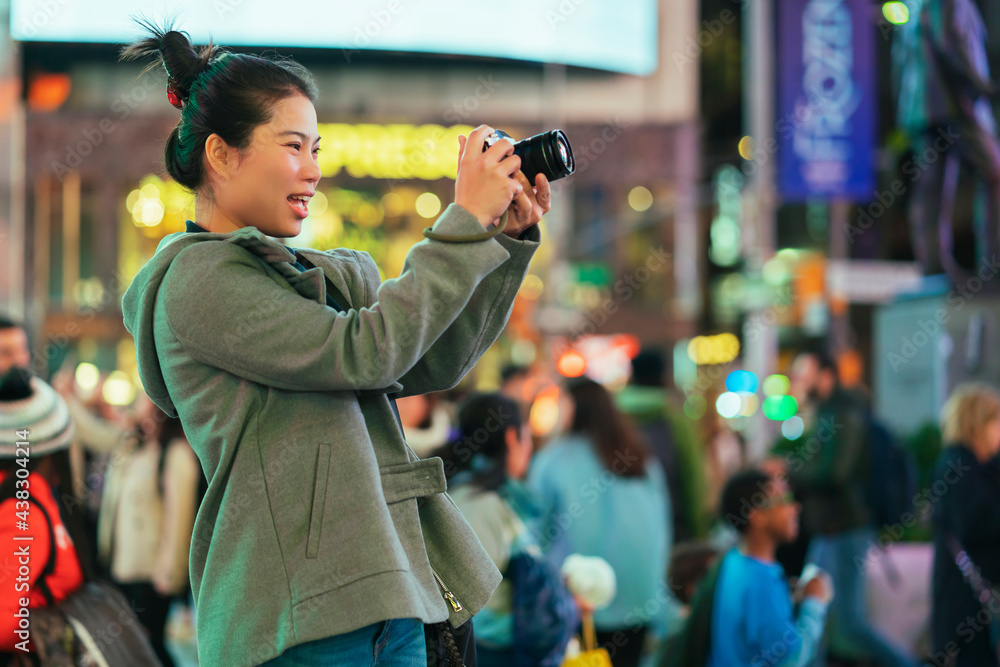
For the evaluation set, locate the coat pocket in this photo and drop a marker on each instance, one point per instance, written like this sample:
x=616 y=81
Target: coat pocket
x=319 y=500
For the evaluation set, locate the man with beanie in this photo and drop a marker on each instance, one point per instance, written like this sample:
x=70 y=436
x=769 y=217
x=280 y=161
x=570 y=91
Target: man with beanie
x=35 y=434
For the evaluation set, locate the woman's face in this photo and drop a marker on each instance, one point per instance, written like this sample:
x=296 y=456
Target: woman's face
x=261 y=186
x=989 y=438
x=519 y=450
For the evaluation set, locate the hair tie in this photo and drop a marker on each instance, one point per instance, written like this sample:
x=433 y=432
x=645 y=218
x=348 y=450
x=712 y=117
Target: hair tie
x=173 y=96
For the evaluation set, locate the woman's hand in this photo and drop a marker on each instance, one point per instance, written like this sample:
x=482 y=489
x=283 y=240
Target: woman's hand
x=484 y=186
x=528 y=207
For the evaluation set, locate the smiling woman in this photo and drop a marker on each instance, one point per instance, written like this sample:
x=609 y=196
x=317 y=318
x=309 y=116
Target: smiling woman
x=283 y=364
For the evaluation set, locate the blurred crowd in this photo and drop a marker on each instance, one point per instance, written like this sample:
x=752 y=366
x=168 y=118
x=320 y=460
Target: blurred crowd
x=703 y=557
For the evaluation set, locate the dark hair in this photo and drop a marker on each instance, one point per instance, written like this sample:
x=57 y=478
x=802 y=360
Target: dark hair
x=8 y=323
x=511 y=371
x=824 y=360
x=618 y=443
x=648 y=367
x=481 y=444
x=222 y=93
x=689 y=563
x=742 y=494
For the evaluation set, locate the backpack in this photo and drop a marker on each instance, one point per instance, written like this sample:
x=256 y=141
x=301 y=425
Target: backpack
x=95 y=625
x=544 y=612
x=892 y=476
x=691 y=645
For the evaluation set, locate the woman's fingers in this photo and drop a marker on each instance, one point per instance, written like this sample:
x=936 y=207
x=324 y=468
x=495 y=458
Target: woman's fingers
x=543 y=193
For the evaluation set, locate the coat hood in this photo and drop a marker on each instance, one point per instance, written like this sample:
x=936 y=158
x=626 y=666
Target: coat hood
x=140 y=297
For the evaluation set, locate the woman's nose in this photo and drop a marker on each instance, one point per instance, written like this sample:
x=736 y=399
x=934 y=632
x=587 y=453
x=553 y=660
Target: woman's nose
x=311 y=171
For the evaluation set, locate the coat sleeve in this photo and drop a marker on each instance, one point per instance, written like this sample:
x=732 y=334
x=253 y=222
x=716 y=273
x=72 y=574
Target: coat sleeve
x=477 y=326
x=229 y=313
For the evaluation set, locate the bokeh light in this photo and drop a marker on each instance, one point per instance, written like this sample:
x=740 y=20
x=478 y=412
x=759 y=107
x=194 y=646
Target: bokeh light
x=87 y=376
x=571 y=364
x=695 y=407
x=640 y=199
x=118 y=389
x=742 y=381
x=428 y=205
x=728 y=405
x=746 y=148
x=776 y=385
x=720 y=349
x=792 y=428
x=749 y=403
x=780 y=408
x=896 y=13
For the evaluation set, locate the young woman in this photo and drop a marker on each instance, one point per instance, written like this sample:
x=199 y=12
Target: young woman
x=966 y=485
x=322 y=539
x=486 y=465
x=604 y=495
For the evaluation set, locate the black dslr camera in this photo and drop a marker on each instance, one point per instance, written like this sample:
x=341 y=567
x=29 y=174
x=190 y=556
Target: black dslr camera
x=547 y=153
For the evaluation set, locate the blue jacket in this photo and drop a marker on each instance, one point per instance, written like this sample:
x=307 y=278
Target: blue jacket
x=589 y=510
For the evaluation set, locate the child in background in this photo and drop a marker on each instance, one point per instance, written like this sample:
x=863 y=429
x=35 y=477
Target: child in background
x=752 y=618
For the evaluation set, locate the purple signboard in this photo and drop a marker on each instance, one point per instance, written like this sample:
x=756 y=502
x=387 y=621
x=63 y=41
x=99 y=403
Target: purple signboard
x=826 y=100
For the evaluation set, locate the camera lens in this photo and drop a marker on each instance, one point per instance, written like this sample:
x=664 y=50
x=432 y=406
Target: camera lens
x=547 y=153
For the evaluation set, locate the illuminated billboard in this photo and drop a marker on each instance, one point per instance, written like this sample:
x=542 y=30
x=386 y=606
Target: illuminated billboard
x=614 y=36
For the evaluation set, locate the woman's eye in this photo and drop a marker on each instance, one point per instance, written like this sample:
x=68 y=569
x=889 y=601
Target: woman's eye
x=296 y=146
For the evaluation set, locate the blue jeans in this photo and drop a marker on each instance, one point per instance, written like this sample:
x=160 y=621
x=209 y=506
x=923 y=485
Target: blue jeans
x=844 y=557
x=396 y=643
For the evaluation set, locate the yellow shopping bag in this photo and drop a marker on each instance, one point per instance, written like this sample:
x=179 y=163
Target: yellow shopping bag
x=591 y=655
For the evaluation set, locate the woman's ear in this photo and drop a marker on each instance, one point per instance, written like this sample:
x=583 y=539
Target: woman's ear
x=219 y=156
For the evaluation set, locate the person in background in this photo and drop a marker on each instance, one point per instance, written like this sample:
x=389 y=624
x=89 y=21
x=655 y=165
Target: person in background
x=725 y=453
x=672 y=439
x=32 y=412
x=487 y=487
x=689 y=563
x=832 y=484
x=966 y=519
x=426 y=420
x=14 y=351
x=752 y=606
x=147 y=514
x=603 y=494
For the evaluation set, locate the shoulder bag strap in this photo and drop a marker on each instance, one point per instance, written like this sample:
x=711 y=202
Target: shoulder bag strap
x=50 y=564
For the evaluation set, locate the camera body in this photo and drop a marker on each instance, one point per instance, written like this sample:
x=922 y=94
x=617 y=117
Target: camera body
x=547 y=153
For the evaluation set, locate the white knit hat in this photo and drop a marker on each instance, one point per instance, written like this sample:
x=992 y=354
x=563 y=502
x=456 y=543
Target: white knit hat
x=43 y=414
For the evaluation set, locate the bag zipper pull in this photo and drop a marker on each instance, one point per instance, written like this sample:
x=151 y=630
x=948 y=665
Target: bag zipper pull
x=456 y=606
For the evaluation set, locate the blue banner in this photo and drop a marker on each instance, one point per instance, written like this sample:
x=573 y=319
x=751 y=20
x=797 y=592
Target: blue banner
x=825 y=123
